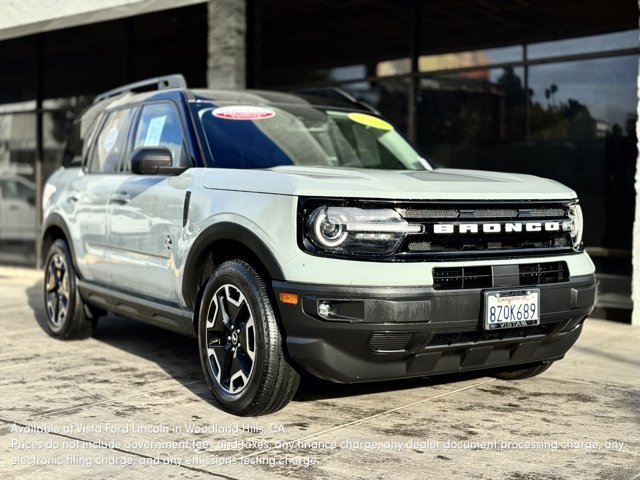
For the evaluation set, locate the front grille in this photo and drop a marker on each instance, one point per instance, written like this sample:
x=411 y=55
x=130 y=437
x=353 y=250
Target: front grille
x=461 y=338
x=461 y=278
x=389 y=341
x=487 y=229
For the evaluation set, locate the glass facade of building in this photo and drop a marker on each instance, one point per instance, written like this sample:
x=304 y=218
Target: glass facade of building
x=48 y=79
x=545 y=90
x=561 y=108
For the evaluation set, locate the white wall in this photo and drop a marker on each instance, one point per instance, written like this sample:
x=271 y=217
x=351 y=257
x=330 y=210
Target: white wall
x=19 y=18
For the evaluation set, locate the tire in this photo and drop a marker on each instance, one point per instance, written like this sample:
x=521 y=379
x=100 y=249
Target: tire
x=521 y=373
x=241 y=347
x=67 y=318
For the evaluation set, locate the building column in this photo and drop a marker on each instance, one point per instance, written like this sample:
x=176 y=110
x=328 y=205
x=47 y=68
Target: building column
x=226 y=65
x=414 y=82
x=39 y=157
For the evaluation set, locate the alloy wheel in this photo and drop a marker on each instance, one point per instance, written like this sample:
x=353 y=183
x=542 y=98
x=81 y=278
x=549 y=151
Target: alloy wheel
x=57 y=291
x=230 y=339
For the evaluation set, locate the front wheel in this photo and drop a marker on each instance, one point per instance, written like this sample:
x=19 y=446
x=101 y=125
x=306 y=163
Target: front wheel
x=241 y=347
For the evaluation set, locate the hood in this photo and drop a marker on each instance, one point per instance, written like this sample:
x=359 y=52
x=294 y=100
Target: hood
x=439 y=184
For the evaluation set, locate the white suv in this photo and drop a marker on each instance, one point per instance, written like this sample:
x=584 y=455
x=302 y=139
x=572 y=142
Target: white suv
x=17 y=209
x=293 y=233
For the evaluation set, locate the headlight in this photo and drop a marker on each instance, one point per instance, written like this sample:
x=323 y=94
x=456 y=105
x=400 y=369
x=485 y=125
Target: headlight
x=349 y=230
x=575 y=214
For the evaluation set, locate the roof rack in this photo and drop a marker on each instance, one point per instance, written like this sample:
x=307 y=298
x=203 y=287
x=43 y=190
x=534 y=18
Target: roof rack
x=160 y=83
x=336 y=93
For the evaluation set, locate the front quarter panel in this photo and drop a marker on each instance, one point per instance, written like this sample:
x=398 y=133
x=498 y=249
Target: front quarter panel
x=270 y=218
x=60 y=208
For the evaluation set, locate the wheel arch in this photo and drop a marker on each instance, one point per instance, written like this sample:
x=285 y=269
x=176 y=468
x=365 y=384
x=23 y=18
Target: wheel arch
x=218 y=243
x=55 y=228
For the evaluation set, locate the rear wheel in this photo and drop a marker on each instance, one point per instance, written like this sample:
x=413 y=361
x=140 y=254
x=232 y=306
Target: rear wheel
x=66 y=316
x=241 y=347
x=520 y=373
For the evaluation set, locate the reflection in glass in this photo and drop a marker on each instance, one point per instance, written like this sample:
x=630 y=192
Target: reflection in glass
x=389 y=68
x=474 y=58
x=595 y=43
x=583 y=124
x=479 y=107
x=295 y=75
x=57 y=126
x=18 y=223
x=388 y=96
x=17 y=188
x=581 y=120
x=451 y=61
x=582 y=100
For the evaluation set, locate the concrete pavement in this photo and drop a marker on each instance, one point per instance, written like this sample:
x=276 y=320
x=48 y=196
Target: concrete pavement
x=131 y=403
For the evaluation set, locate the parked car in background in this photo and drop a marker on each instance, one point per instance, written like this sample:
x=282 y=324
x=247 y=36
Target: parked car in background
x=17 y=209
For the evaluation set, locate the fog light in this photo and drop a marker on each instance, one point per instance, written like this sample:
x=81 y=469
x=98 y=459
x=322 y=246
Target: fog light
x=324 y=309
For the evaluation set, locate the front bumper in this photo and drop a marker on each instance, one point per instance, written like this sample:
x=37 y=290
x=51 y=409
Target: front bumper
x=382 y=333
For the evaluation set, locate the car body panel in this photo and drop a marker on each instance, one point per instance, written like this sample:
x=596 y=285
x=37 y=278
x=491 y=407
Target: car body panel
x=145 y=221
x=440 y=184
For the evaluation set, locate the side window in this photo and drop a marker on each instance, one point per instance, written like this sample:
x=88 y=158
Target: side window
x=110 y=143
x=10 y=190
x=16 y=190
x=159 y=125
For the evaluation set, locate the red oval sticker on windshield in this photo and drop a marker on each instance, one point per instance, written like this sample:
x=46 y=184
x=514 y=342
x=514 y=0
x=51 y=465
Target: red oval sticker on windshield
x=243 y=112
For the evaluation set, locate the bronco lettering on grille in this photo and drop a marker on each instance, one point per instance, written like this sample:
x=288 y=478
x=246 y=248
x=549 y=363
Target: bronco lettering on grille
x=507 y=227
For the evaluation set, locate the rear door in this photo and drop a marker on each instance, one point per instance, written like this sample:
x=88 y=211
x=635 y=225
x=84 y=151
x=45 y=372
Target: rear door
x=146 y=211
x=87 y=195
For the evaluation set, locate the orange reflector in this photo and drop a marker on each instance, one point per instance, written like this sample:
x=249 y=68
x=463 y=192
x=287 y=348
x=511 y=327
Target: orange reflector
x=291 y=298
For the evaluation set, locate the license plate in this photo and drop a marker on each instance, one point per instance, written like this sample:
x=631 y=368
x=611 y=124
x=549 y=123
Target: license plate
x=511 y=308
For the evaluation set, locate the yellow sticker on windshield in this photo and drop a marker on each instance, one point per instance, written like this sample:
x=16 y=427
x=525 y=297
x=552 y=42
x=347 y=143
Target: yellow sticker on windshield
x=370 y=121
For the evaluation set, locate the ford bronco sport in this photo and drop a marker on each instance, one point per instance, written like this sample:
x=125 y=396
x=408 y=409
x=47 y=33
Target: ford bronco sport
x=292 y=233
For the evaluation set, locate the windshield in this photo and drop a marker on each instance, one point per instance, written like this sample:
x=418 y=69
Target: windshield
x=245 y=136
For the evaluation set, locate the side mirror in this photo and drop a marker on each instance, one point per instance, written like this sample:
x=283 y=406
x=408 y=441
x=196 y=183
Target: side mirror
x=152 y=161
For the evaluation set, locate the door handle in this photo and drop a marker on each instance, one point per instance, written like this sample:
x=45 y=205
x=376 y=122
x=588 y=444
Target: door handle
x=73 y=197
x=120 y=198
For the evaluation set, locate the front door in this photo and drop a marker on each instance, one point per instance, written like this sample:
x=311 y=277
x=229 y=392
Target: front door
x=146 y=212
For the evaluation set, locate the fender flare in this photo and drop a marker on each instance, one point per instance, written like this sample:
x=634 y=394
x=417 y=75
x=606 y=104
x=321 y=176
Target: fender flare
x=56 y=220
x=224 y=231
